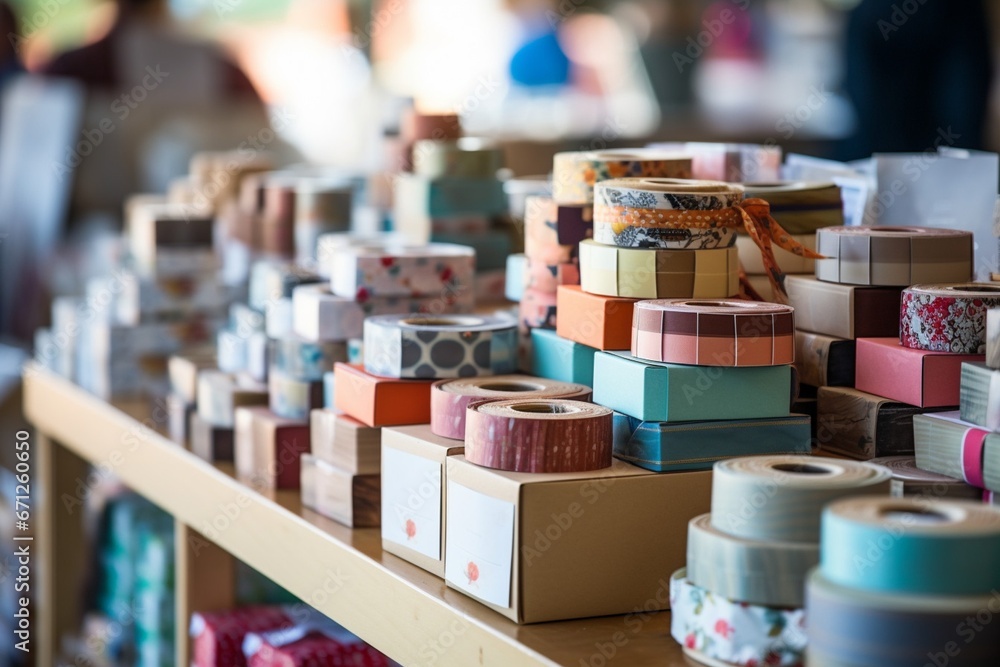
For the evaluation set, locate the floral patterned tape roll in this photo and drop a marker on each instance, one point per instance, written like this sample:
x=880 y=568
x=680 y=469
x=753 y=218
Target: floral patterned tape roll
x=947 y=318
x=435 y=270
x=574 y=174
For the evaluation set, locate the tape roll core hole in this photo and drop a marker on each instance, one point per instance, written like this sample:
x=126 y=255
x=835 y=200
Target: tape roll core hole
x=754 y=305
x=801 y=469
x=544 y=408
x=976 y=288
x=511 y=386
x=913 y=515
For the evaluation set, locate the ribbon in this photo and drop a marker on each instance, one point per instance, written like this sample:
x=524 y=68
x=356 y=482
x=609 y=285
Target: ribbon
x=973 y=444
x=753 y=215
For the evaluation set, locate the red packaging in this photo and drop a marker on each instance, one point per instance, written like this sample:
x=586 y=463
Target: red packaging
x=918 y=377
x=317 y=650
x=218 y=635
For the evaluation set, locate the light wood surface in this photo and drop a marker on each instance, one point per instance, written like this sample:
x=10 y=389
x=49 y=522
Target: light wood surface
x=402 y=610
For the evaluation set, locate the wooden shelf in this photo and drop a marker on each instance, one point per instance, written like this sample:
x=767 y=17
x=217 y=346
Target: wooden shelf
x=402 y=610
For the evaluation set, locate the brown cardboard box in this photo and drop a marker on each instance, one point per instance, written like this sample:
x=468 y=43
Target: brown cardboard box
x=345 y=442
x=414 y=494
x=843 y=311
x=268 y=448
x=212 y=443
x=583 y=544
x=352 y=500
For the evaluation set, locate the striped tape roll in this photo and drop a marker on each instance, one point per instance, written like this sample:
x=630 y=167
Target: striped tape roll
x=979 y=395
x=407 y=346
x=947 y=318
x=656 y=274
x=993 y=338
x=911 y=546
x=450 y=398
x=552 y=231
x=466 y=157
x=781 y=497
x=575 y=173
x=713 y=333
x=433 y=270
x=893 y=256
x=538 y=435
x=801 y=207
x=714 y=630
x=304 y=359
x=909 y=480
x=769 y=573
x=864 y=629
x=638 y=213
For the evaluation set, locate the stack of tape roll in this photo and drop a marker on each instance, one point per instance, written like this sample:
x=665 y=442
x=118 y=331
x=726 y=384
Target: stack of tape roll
x=947 y=318
x=407 y=346
x=713 y=333
x=538 y=435
x=893 y=256
x=451 y=398
x=436 y=270
x=905 y=581
x=295 y=379
x=749 y=558
x=909 y=480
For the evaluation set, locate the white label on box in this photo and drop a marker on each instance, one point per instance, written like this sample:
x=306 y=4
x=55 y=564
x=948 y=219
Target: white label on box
x=480 y=544
x=411 y=501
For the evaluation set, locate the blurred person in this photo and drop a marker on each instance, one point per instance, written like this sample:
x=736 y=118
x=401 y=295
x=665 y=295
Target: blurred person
x=917 y=71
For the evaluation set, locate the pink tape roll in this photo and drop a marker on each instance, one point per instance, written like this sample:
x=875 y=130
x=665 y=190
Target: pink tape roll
x=972 y=456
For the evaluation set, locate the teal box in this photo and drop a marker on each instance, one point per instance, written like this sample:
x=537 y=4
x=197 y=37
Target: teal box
x=558 y=358
x=657 y=392
x=443 y=197
x=671 y=447
x=492 y=246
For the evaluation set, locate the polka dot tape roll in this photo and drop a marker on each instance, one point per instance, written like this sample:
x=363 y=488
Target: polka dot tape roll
x=574 y=174
x=407 y=346
x=450 y=398
x=538 y=435
x=947 y=318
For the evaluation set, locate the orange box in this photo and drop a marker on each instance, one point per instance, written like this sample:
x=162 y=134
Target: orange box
x=379 y=401
x=604 y=322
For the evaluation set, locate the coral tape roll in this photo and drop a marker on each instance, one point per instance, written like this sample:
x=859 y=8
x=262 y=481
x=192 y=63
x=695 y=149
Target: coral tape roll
x=863 y=629
x=713 y=333
x=552 y=231
x=538 y=435
x=911 y=546
x=801 y=207
x=766 y=572
x=574 y=174
x=893 y=256
x=436 y=269
x=909 y=480
x=413 y=346
x=947 y=318
x=781 y=497
x=949 y=446
x=466 y=157
x=450 y=398
x=304 y=359
x=715 y=630
x=651 y=274
x=635 y=213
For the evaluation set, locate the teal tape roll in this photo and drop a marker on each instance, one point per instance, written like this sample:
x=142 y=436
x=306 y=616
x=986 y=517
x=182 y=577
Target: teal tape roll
x=911 y=546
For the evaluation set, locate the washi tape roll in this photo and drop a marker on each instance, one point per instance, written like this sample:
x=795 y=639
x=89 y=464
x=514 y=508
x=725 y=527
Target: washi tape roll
x=552 y=231
x=890 y=256
x=780 y=497
x=537 y=309
x=653 y=274
x=863 y=629
x=406 y=346
x=548 y=277
x=790 y=263
x=538 y=435
x=979 y=395
x=764 y=572
x=713 y=333
x=433 y=270
x=909 y=480
x=947 y=318
x=440 y=127
x=638 y=213
x=450 y=398
x=575 y=173
x=305 y=359
x=945 y=444
x=712 y=628
x=327 y=246
x=911 y=546
x=801 y=207
x=466 y=157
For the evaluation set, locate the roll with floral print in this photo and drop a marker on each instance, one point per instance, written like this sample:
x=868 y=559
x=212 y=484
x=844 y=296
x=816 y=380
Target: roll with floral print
x=947 y=318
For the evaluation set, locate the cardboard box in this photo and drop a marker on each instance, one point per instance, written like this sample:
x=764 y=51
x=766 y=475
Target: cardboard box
x=843 y=311
x=918 y=377
x=352 y=500
x=558 y=358
x=268 y=448
x=550 y=547
x=824 y=361
x=345 y=442
x=209 y=442
x=378 y=401
x=414 y=494
x=602 y=322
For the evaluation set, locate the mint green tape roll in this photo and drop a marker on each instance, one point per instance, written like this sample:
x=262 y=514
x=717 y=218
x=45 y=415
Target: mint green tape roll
x=911 y=546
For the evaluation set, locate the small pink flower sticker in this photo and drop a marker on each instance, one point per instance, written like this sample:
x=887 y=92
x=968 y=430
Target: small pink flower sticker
x=472 y=572
x=411 y=529
x=689 y=641
x=723 y=628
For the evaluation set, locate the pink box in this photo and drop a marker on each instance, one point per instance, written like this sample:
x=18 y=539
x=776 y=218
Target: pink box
x=918 y=377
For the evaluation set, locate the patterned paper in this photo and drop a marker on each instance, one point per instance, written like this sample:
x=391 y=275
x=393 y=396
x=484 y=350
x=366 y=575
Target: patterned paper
x=945 y=319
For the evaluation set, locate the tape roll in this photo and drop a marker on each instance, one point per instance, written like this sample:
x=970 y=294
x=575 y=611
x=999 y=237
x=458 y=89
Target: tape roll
x=437 y=269
x=327 y=246
x=652 y=274
x=466 y=157
x=979 y=395
x=635 y=213
x=548 y=277
x=538 y=435
x=911 y=546
x=291 y=398
x=552 y=231
x=450 y=398
x=537 y=309
x=764 y=572
x=321 y=206
x=575 y=173
x=801 y=207
x=863 y=629
x=305 y=359
x=949 y=446
x=947 y=318
x=909 y=480
x=781 y=497
x=735 y=633
x=790 y=263
x=271 y=281
x=713 y=333
x=893 y=256
x=404 y=346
